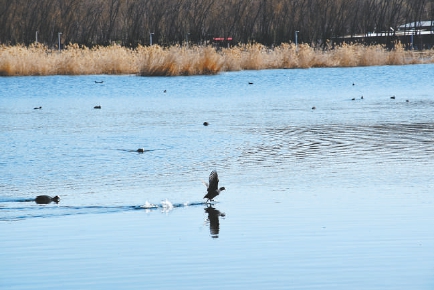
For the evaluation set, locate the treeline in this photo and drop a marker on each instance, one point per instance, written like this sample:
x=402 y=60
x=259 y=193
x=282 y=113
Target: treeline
x=131 y=22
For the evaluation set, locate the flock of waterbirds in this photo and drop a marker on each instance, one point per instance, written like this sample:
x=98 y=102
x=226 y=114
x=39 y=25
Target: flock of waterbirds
x=213 y=190
x=212 y=186
x=206 y=123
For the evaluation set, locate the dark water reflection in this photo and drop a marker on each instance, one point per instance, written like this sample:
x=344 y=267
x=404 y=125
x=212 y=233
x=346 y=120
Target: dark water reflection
x=213 y=220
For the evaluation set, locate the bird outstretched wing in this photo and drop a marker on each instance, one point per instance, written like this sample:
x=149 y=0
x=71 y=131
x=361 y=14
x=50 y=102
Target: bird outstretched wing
x=213 y=181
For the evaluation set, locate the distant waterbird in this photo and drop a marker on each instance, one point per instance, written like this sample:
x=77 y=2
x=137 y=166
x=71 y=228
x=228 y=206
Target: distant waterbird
x=140 y=150
x=213 y=186
x=97 y=107
x=313 y=108
x=392 y=97
x=205 y=123
x=46 y=199
x=99 y=82
x=37 y=108
x=250 y=83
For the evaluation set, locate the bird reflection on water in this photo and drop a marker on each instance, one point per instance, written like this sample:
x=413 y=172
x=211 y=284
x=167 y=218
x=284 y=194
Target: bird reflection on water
x=213 y=220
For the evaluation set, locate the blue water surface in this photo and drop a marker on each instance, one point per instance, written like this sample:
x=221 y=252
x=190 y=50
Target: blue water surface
x=324 y=189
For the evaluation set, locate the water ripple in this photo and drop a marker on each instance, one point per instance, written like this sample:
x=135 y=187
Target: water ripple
x=332 y=142
x=24 y=208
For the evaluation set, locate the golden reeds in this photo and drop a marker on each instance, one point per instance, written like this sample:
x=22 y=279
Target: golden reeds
x=176 y=60
x=195 y=60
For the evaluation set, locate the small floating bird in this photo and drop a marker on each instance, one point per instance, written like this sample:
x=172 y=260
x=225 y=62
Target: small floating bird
x=140 y=150
x=213 y=186
x=313 y=108
x=165 y=91
x=250 y=83
x=361 y=97
x=407 y=101
x=97 y=107
x=97 y=82
x=392 y=97
x=205 y=123
x=353 y=99
x=37 y=108
x=46 y=199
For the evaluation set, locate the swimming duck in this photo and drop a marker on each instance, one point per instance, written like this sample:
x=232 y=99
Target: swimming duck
x=212 y=187
x=45 y=199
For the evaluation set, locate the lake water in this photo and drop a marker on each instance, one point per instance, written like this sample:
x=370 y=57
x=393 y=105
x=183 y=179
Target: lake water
x=336 y=197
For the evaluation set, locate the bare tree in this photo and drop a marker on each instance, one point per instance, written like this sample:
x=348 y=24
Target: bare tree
x=129 y=22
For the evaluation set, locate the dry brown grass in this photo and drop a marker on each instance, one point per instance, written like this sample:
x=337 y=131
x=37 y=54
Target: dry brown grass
x=195 y=60
x=176 y=60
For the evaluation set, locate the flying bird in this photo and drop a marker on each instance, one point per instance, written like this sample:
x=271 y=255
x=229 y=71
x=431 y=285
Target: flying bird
x=213 y=186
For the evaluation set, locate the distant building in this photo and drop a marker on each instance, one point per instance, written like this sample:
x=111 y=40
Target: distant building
x=417 y=26
x=413 y=35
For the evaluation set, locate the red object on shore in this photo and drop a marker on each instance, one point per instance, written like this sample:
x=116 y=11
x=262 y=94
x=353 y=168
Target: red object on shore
x=222 y=39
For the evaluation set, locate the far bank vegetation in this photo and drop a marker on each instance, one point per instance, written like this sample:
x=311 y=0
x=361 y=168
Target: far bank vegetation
x=194 y=60
x=114 y=36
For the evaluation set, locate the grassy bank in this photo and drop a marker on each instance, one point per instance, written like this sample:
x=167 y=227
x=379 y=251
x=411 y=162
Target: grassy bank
x=195 y=60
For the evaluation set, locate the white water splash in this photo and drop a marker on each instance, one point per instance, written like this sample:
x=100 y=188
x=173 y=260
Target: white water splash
x=166 y=205
x=149 y=205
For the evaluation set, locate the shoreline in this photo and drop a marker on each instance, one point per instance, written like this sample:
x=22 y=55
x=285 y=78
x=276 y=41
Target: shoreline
x=38 y=60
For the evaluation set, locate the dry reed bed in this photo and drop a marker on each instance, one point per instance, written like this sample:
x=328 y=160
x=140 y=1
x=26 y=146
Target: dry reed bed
x=195 y=60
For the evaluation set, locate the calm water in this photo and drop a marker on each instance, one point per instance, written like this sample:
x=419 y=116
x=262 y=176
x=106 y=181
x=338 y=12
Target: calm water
x=340 y=197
